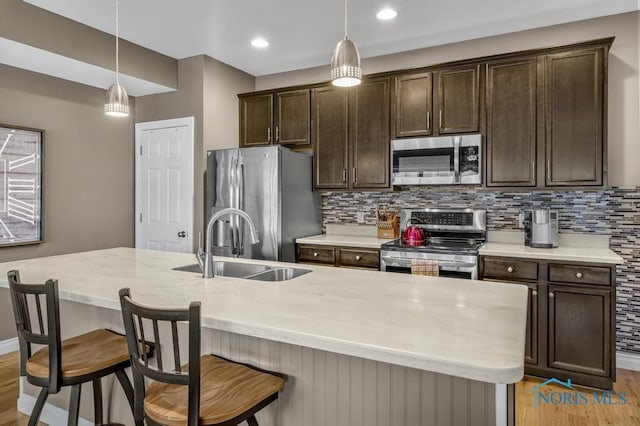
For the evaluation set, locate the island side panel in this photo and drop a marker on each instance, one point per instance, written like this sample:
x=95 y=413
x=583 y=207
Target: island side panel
x=321 y=388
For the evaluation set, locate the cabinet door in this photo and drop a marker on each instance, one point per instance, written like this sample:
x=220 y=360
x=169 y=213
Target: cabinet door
x=330 y=137
x=369 y=134
x=580 y=329
x=413 y=105
x=458 y=99
x=291 y=118
x=256 y=114
x=574 y=117
x=511 y=123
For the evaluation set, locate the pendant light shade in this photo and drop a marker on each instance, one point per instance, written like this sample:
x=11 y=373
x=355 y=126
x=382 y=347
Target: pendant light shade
x=116 y=103
x=345 y=65
x=345 y=62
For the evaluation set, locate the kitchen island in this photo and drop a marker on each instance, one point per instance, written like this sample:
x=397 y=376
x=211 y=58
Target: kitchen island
x=357 y=347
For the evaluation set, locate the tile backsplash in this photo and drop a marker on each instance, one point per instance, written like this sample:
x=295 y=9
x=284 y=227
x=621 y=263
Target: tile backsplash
x=614 y=212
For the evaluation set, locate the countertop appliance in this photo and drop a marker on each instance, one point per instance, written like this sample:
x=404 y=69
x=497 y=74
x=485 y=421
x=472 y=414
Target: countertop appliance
x=444 y=160
x=273 y=186
x=453 y=237
x=541 y=228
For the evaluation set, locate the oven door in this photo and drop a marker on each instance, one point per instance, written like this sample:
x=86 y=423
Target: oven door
x=453 y=266
x=425 y=161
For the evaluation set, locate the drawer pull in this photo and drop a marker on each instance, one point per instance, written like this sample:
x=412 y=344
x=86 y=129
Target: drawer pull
x=315 y=254
x=358 y=257
x=510 y=269
x=551 y=295
x=534 y=293
x=578 y=275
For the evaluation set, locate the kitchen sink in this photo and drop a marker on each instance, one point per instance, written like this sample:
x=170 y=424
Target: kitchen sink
x=279 y=274
x=248 y=271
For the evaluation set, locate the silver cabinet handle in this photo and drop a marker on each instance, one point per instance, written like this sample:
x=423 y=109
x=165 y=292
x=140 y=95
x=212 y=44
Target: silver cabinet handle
x=344 y=175
x=534 y=293
x=315 y=254
x=269 y=134
x=428 y=120
x=440 y=127
x=355 y=175
x=358 y=257
x=277 y=133
x=510 y=269
x=578 y=275
x=551 y=295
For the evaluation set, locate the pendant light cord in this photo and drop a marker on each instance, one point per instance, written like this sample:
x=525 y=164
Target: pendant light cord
x=346 y=9
x=117 y=47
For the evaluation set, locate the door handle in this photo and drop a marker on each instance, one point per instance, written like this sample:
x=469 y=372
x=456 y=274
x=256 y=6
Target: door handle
x=182 y=234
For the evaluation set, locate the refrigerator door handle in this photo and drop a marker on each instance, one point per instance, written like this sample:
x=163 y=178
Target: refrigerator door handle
x=239 y=223
x=234 y=203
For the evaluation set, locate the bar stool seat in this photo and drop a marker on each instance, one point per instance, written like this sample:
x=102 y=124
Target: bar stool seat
x=83 y=355
x=227 y=390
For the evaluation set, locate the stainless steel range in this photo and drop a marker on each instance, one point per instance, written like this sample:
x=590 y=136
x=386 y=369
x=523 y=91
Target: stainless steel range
x=451 y=236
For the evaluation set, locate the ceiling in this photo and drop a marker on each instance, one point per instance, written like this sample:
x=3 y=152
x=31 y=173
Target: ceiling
x=303 y=33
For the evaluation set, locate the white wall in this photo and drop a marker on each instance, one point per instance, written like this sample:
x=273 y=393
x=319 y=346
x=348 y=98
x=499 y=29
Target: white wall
x=624 y=66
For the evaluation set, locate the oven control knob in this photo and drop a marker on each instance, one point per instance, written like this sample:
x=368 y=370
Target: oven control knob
x=315 y=254
x=578 y=275
x=510 y=269
x=358 y=257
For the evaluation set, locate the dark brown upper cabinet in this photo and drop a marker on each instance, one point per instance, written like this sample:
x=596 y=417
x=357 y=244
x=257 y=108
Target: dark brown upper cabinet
x=351 y=136
x=256 y=120
x=413 y=109
x=331 y=137
x=511 y=122
x=369 y=134
x=457 y=99
x=575 y=104
x=291 y=118
x=280 y=117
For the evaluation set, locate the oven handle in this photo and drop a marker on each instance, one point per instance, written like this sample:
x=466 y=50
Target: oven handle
x=444 y=265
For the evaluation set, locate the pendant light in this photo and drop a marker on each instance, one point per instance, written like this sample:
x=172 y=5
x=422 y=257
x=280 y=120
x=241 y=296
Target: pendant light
x=345 y=62
x=117 y=100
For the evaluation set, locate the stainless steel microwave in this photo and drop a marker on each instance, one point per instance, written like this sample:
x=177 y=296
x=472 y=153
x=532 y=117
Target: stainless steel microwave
x=444 y=160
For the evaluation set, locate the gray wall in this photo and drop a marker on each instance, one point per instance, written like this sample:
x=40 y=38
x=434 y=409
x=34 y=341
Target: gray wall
x=88 y=168
x=624 y=65
x=207 y=90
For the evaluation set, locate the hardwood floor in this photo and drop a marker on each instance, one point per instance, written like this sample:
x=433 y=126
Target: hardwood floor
x=580 y=415
x=526 y=414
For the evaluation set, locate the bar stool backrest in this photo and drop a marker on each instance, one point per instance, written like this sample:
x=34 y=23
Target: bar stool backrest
x=45 y=334
x=133 y=315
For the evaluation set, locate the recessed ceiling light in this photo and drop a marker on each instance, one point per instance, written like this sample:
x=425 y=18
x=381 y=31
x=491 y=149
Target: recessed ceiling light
x=259 y=43
x=386 y=14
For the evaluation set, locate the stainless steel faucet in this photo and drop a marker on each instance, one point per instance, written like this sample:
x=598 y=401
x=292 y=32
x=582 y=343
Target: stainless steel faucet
x=205 y=258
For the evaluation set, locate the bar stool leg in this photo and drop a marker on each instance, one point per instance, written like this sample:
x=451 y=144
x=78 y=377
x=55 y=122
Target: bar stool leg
x=252 y=421
x=37 y=409
x=74 y=405
x=97 y=402
x=126 y=387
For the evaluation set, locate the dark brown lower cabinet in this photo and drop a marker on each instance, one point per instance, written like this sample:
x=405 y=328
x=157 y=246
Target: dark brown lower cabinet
x=580 y=329
x=351 y=257
x=570 y=318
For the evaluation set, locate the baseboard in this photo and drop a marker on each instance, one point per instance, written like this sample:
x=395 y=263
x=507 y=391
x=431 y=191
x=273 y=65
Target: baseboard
x=628 y=361
x=9 y=345
x=51 y=414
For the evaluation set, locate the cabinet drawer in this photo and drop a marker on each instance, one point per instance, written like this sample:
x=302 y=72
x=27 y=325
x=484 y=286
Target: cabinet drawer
x=317 y=254
x=360 y=258
x=510 y=269
x=598 y=275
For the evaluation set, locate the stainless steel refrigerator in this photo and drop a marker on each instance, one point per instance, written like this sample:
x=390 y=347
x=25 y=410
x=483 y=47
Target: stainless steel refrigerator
x=274 y=186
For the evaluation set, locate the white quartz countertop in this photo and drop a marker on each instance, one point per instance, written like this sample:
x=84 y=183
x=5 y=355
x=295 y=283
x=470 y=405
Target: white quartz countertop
x=470 y=329
x=344 y=240
x=563 y=253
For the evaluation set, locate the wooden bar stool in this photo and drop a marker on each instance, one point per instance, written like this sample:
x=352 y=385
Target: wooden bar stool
x=70 y=362
x=209 y=390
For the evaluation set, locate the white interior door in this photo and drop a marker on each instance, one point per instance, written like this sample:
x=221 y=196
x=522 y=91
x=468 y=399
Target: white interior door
x=164 y=185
